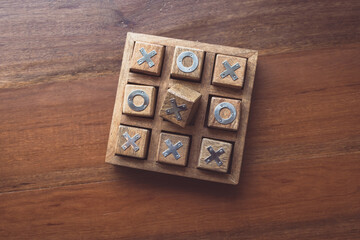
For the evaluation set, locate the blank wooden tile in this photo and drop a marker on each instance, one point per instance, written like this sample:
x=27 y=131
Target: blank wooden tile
x=228 y=117
x=182 y=97
x=139 y=107
x=181 y=145
x=222 y=152
x=139 y=136
x=228 y=81
x=194 y=75
x=145 y=67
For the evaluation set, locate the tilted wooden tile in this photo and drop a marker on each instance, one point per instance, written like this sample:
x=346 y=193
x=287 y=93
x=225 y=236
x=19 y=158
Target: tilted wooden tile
x=139 y=100
x=229 y=71
x=214 y=155
x=147 y=58
x=187 y=63
x=180 y=105
x=132 y=141
x=224 y=113
x=173 y=149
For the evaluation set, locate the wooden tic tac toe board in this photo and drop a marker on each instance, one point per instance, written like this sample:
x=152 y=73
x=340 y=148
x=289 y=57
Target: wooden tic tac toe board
x=182 y=108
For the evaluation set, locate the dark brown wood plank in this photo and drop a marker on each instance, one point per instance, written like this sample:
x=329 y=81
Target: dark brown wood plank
x=59 y=67
x=308 y=199
x=52 y=128
x=42 y=41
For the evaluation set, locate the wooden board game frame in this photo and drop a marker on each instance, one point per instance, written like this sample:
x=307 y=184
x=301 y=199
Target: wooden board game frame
x=199 y=129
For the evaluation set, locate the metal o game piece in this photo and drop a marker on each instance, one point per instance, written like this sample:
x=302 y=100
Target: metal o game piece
x=228 y=120
x=131 y=100
x=194 y=65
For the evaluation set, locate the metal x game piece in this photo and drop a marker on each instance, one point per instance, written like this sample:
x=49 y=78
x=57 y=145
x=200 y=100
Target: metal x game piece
x=230 y=70
x=172 y=149
x=146 y=57
x=176 y=109
x=131 y=142
x=214 y=155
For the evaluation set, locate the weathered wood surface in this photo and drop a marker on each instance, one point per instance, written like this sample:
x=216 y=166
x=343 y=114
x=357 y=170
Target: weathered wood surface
x=59 y=67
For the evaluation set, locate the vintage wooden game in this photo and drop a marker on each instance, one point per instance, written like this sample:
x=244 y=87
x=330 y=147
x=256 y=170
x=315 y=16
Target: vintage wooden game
x=182 y=108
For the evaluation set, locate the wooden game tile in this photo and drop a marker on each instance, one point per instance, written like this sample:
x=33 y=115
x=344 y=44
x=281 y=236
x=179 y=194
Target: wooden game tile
x=214 y=155
x=224 y=113
x=229 y=71
x=187 y=63
x=132 y=141
x=139 y=100
x=147 y=58
x=180 y=105
x=173 y=149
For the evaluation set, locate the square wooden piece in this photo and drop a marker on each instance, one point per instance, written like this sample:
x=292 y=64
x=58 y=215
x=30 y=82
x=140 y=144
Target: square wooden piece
x=193 y=61
x=224 y=113
x=173 y=149
x=132 y=141
x=221 y=77
x=180 y=105
x=152 y=67
x=215 y=155
x=139 y=100
x=197 y=128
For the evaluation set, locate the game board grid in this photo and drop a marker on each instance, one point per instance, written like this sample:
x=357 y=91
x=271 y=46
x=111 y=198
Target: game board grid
x=162 y=84
x=157 y=124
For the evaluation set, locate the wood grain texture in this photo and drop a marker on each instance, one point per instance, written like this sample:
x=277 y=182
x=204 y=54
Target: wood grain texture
x=183 y=151
x=138 y=101
x=228 y=81
x=195 y=75
x=225 y=113
x=140 y=137
x=59 y=67
x=40 y=39
x=182 y=95
x=144 y=67
x=224 y=157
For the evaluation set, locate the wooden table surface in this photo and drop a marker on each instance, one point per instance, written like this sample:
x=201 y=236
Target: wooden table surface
x=59 y=66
